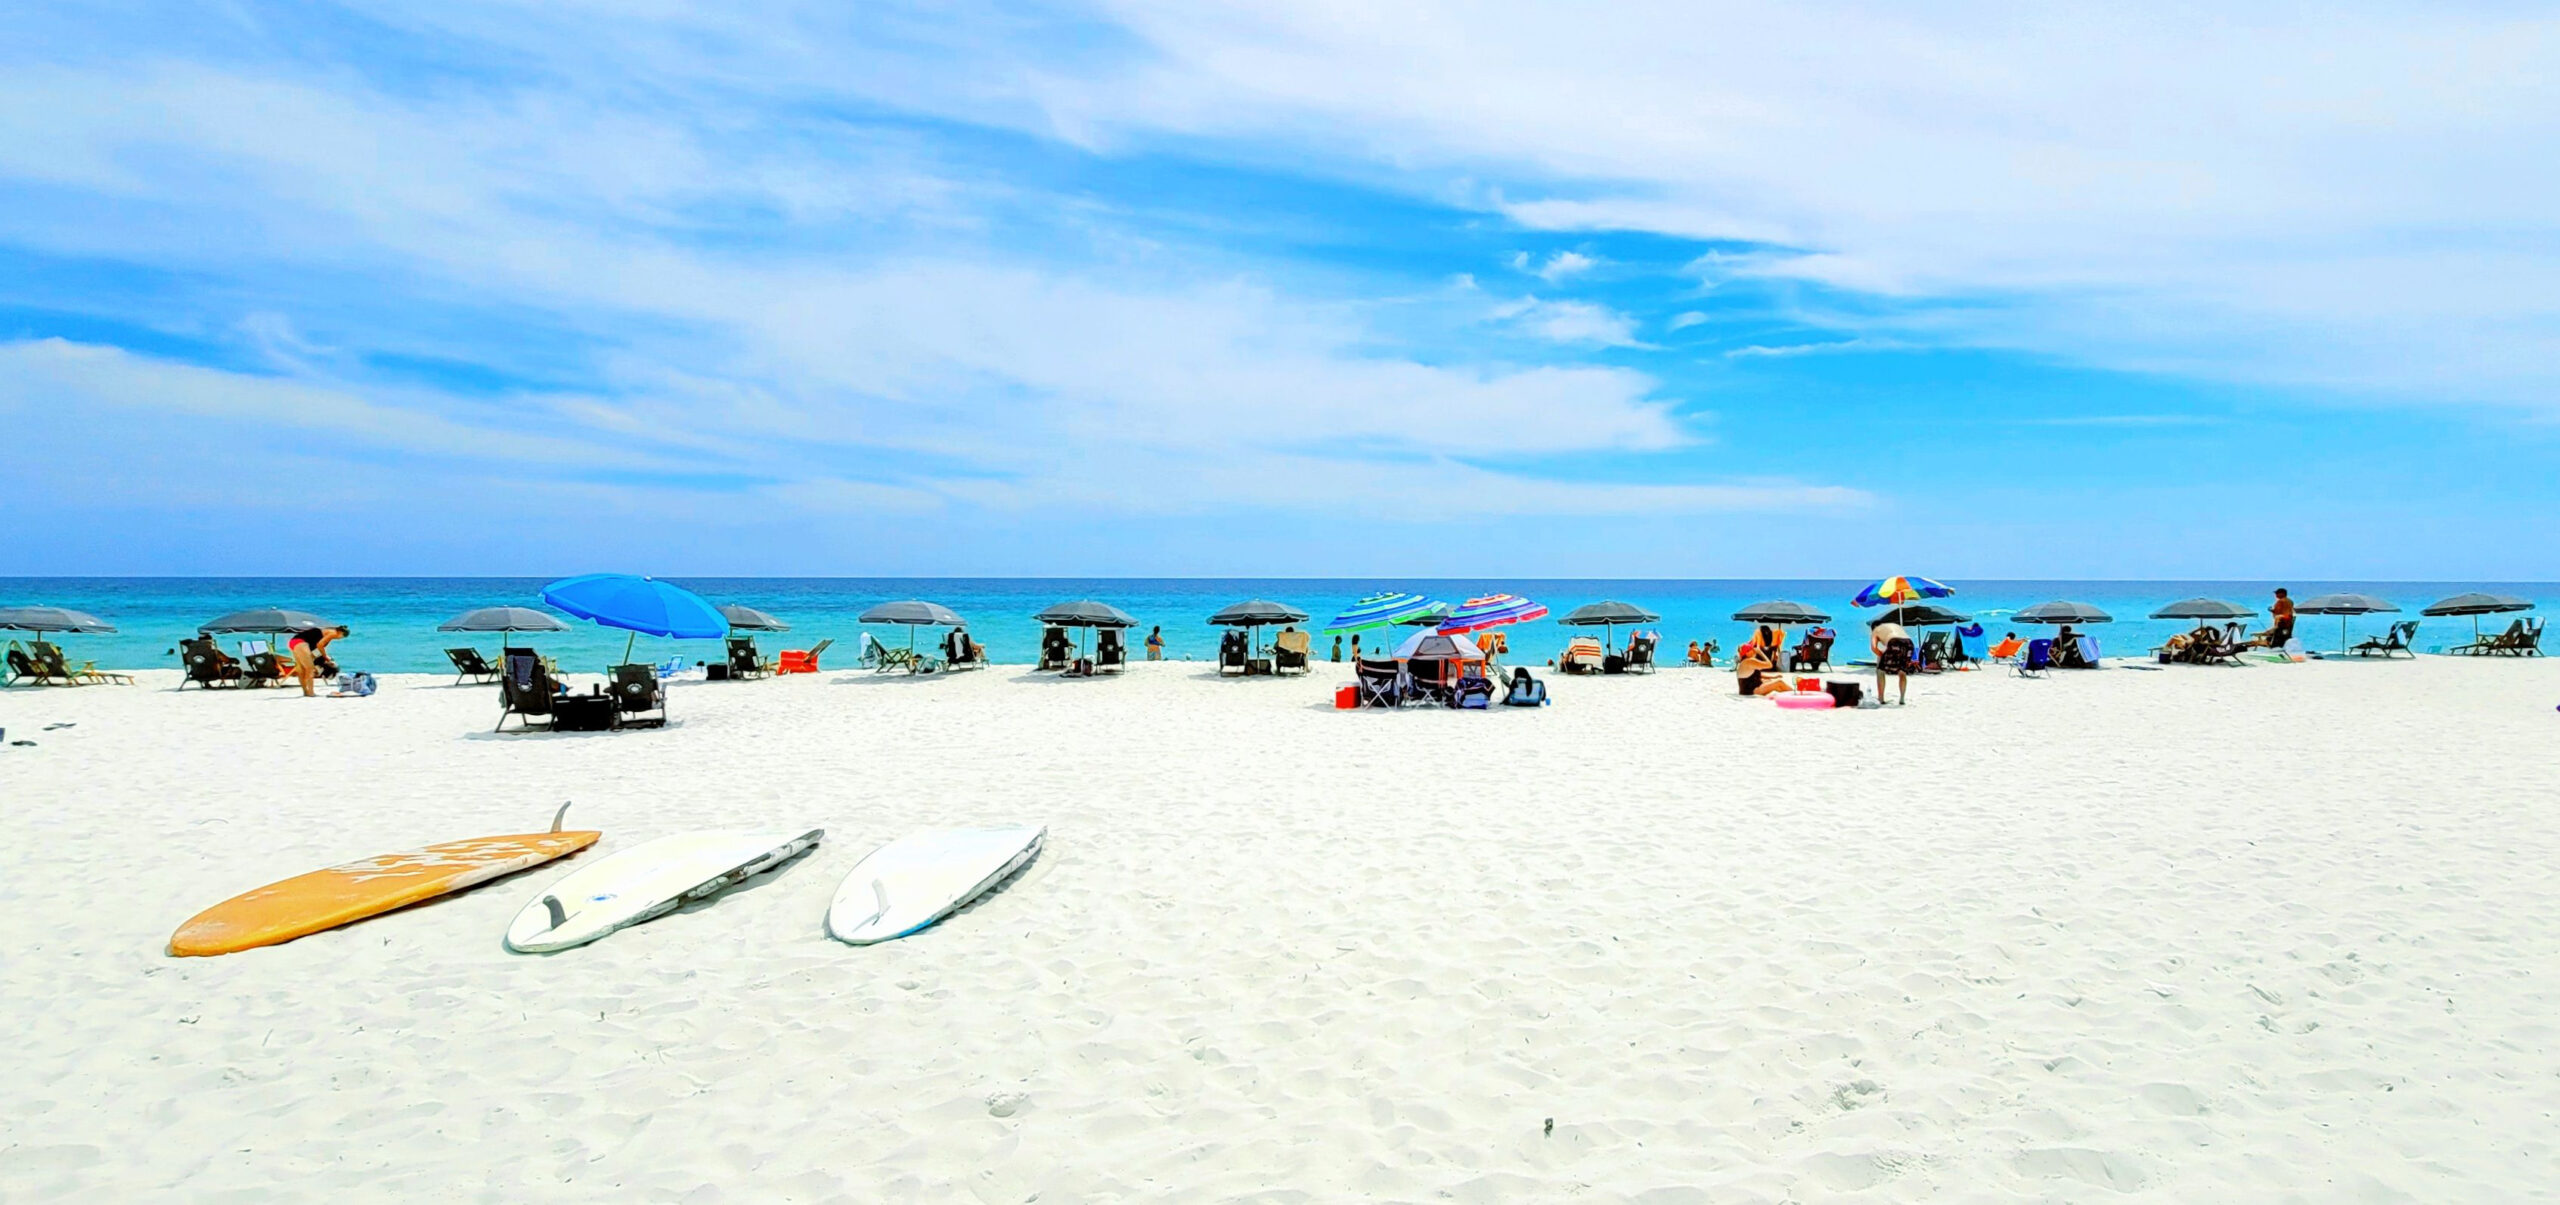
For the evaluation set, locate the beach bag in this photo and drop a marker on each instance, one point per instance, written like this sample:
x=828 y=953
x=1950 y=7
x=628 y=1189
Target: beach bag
x=357 y=685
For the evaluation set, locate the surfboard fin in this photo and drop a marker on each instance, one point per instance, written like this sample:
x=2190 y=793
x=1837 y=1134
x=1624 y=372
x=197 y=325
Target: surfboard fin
x=557 y=816
x=551 y=904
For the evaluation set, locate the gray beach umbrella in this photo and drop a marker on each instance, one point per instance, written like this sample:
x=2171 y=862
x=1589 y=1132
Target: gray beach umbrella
x=41 y=620
x=2203 y=609
x=2342 y=606
x=1086 y=613
x=2061 y=611
x=503 y=619
x=1919 y=615
x=912 y=613
x=748 y=619
x=1607 y=613
x=2473 y=605
x=1779 y=610
x=262 y=619
x=1257 y=612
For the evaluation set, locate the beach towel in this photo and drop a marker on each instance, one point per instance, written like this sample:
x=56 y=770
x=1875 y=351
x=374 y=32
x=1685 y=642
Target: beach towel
x=353 y=686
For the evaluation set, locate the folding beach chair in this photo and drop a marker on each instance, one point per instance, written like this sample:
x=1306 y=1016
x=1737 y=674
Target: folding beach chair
x=52 y=664
x=744 y=661
x=639 y=699
x=468 y=663
x=1639 y=656
x=1289 y=652
x=526 y=691
x=1474 y=691
x=801 y=661
x=1431 y=679
x=1814 y=653
x=1933 y=654
x=1583 y=655
x=1235 y=652
x=1525 y=691
x=2036 y=660
x=1381 y=683
x=1110 y=652
x=22 y=668
x=207 y=665
x=960 y=652
x=2396 y=640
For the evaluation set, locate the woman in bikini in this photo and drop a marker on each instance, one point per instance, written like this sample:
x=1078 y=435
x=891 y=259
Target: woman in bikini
x=310 y=654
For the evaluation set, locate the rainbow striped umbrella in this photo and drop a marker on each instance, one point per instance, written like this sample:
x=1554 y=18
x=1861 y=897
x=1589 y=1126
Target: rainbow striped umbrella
x=1895 y=591
x=1491 y=611
x=1378 y=611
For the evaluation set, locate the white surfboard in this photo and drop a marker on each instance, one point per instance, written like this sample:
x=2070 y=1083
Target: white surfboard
x=647 y=881
x=920 y=878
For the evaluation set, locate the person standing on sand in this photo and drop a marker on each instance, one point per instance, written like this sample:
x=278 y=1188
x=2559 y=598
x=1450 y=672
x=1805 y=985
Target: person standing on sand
x=1155 y=643
x=1355 y=646
x=2280 y=627
x=1892 y=647
x=309 y=649
x=1337 y=650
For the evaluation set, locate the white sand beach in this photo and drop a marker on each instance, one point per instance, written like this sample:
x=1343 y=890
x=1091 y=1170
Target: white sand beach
x=2277 y=933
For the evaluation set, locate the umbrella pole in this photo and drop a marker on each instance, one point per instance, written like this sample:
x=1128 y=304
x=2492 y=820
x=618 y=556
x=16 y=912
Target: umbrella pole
x=627 y=642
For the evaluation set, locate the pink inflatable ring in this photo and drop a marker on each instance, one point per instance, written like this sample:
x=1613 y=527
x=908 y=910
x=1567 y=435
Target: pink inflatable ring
x=1805 y=700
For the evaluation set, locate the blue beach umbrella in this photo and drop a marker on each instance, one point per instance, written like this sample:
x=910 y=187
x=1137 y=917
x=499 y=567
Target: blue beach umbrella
x=637 y=605
x=1378 y=611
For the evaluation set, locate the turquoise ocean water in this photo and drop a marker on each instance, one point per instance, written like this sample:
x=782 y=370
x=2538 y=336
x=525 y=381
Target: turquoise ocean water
x=395 y=618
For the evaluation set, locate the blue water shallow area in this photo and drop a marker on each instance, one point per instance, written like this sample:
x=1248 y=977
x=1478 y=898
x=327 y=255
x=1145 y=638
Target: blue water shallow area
x=395 y=618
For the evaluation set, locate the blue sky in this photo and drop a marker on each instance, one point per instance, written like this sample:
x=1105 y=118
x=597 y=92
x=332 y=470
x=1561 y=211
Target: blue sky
x=1300 y=288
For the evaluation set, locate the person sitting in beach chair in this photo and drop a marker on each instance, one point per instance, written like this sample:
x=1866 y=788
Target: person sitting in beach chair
x=1932 y=657
x=1110 y=654
x=1381 y=683
x=22 y=668
x=2067 y=650
x=2523 y=638
x=1235 y=652
x=1289 y=651
x=1525 y=691
x=639 y=699
x=207 y=665
x=801 y=661
x=468 y=663
x=2396 y=640
x=1056 y=651
x=2008 y=648
x=1958 y=657
x=527 y=689
x=744 y=661
x=959 y=651
x=1582 y=655
x=262 y=668
x=1814 y=654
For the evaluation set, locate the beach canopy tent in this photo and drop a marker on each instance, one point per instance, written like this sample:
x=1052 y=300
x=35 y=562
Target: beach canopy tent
x=637 y=605
x=2060 y=611
x=1891 y=590
x=2203 y=610
x=1438 y=644
x=2342 y=606
x=1607 y=614
x=1378 y=611
x=41 y=620
x=1919 y=615
x=2473 y=605
x=748 y=619
x=1491 y=611
x=262 y=620
x=1780 y=611
x=1256 y=613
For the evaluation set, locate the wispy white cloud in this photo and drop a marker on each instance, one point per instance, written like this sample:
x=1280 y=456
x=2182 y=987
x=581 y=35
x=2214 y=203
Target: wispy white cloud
x=1686 y=319
x=1581 y=322
x=1830 y=348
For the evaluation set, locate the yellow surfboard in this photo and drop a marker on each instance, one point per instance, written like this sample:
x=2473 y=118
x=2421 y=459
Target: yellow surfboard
x=325 y=899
